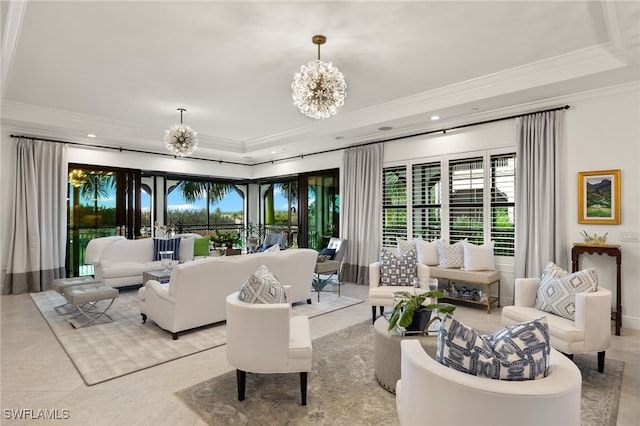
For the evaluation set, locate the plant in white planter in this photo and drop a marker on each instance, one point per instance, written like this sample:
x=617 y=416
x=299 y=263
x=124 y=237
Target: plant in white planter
x=410 y=306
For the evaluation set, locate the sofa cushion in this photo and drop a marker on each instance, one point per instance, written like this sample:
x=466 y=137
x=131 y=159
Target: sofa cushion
x=125 y=269
x=166 y=244
x=557 y=295
x=518 y=352
x=428 y=252
x=450 y=255
x=201 y=246
x=478 y=258
x=397 y=270
x=262 y=287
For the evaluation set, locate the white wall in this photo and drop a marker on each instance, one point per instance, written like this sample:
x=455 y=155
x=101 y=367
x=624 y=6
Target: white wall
x=602 y=131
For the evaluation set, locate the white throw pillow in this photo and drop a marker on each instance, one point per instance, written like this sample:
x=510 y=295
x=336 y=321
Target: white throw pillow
x=450 y=255
x=273 y=248
x=428 y=252
x=478 y=258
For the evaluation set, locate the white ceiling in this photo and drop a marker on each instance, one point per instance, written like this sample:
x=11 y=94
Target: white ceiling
x=121 y=69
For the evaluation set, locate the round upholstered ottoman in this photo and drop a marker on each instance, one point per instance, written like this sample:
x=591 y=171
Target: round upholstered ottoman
x=386 y=347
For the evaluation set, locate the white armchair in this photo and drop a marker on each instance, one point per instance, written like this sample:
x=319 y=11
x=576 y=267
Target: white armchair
x=452 y=397
x=264 y=338
x=589 y=332
x=382 y=295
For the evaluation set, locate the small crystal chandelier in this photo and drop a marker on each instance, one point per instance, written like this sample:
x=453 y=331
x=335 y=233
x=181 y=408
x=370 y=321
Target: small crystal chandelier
x=181 y=139
x=319 y=88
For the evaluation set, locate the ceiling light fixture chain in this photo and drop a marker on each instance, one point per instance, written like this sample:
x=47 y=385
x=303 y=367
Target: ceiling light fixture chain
x=180 y=139
x=319 y=88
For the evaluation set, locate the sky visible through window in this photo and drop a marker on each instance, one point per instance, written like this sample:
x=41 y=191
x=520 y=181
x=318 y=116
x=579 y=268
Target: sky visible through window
x=231 y=203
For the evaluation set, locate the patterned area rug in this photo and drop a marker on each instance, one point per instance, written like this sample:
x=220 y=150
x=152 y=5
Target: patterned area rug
x=343 y=391
x=105 y=351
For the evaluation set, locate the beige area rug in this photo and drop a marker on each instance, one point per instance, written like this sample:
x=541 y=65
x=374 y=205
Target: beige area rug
x=105 y=351
x=342 y=390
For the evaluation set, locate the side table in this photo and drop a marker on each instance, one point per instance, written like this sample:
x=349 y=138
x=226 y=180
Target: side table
x=610 y=250
x=386 y=347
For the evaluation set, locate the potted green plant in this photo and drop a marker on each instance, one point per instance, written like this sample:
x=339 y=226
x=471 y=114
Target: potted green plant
x=226 y=239
x=410 y=313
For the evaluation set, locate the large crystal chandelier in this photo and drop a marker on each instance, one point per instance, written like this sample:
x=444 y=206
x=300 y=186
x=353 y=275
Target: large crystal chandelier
x=181 y=139
x=319 y=88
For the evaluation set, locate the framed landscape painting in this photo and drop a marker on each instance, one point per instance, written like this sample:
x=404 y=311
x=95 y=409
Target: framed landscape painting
x=599 y=197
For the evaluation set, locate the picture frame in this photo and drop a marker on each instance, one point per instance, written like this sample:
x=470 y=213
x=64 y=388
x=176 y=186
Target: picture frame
x=599 y=197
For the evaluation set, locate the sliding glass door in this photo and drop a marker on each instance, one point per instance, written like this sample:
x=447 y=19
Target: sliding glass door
x=101 y=202
x=319 y=208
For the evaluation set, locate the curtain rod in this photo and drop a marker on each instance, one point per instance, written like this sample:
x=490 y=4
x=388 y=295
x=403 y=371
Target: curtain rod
x=429 y=132
x=139 y=151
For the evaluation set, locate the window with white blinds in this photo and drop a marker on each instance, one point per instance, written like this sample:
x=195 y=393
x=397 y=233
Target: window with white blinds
x=426 y=207
x=466 y=202
x=503 y=203
x=394 y=205
x=472 y=198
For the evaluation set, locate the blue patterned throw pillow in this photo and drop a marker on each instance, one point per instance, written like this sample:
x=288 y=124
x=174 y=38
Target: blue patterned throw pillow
x=262 y=287
x=166 y=244
x=518 y=352
x=397 y=270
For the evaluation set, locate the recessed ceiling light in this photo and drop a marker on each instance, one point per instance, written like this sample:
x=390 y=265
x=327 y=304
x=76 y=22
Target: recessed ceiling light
x=339 y=137
x=273 y=152
x=435 y=117
x=91 y=135
x=385 y=128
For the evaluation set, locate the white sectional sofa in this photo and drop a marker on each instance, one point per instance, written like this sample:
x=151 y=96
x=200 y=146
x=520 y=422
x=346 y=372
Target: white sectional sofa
x=120 y=262
x=196 y=292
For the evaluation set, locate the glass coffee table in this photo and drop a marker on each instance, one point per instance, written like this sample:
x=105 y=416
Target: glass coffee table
x=157 y=274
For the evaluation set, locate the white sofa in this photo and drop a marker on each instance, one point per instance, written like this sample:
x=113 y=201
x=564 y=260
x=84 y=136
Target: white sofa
x=120 y=262
x=589 y=332
x=382 y=295
x=196 y=292
x=430 y=393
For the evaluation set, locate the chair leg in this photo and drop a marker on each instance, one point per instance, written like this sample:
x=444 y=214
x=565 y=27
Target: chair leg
x=241 y=377
x=373 y=314
x=601 y=362
x=303 y=387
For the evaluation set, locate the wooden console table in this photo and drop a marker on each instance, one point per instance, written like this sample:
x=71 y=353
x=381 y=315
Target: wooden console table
x=610 y=250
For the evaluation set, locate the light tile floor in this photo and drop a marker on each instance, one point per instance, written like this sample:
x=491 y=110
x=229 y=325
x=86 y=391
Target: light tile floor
x=37 y=374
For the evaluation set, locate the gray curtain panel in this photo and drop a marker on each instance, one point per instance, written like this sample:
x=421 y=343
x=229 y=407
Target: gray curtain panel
x=540 y=207
x=39 y=226
x=362 y=210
